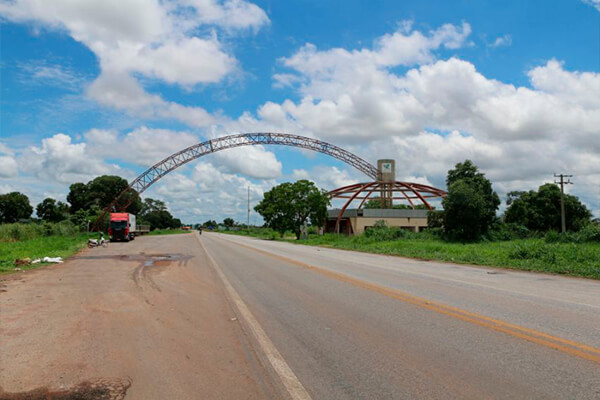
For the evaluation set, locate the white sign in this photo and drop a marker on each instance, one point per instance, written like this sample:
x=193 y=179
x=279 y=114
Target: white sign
x=386 y=167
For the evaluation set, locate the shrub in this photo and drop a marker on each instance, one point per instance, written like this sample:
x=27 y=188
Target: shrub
x=533 y=251
x=380 y=232
x=47 y=229
x=552 y=237
x=17 y=232
x=502 y=231
x=435 y=219
x=590 y=233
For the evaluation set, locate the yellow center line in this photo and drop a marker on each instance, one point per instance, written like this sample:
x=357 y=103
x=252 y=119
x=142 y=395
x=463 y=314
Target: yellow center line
x=531 y=335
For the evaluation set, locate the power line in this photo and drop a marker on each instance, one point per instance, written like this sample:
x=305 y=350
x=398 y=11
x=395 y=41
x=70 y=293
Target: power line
x=562 y=184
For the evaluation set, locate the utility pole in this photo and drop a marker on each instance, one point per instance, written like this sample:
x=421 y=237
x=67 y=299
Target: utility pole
x=562 y=184
x=248 y=225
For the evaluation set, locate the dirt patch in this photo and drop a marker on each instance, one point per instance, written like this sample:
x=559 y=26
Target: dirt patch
x=153 y=263
x=100 y=389
x=149 y=260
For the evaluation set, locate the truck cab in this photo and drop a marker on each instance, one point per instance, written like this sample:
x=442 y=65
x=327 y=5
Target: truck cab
x=121 y=227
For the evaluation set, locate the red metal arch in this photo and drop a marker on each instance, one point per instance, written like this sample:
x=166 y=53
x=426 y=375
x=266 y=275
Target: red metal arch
x=397 y=191
x=160 y=169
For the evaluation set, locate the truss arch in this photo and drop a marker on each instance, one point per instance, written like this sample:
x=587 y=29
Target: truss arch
x=160 y=169
x=174 y=161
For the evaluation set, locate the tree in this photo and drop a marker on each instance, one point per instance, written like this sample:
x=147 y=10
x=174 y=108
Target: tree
x=470 y=205
x=78 y=197
x=154 y=213
x=13 y=207
x=152 y=205
x=52 y=211
x=228 y=222
x=104 y=189
x=161 y=220
x=100 y=192
x=289 y=205
x=81 y=218
x=540 y=211
x=210 y=223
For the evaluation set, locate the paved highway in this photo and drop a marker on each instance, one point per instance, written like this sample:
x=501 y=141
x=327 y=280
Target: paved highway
x=353 y=325
x=228 y=317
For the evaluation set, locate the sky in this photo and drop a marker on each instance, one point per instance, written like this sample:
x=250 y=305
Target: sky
x=112 y=87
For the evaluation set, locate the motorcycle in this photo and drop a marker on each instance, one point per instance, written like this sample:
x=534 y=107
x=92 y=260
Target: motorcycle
x=97 y=242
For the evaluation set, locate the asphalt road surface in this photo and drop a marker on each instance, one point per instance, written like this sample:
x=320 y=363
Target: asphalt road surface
x=227 y=317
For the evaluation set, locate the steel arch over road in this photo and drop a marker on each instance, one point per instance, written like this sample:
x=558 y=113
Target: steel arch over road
x=174 y=161
x=160 y=169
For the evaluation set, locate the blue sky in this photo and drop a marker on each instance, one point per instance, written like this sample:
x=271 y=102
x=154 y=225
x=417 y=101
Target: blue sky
x=100 y=88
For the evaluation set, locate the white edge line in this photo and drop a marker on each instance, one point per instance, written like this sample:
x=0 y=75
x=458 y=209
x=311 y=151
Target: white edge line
x=289 y=380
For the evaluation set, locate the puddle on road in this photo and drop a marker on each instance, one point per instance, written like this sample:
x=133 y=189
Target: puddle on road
x=146 y=260
x=151 y=263
x=101 y=389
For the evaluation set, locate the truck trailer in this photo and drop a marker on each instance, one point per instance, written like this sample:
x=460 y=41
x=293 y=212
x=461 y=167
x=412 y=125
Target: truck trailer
x=122 y=227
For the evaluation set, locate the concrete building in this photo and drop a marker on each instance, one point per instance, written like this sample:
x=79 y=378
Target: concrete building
x=356 y=221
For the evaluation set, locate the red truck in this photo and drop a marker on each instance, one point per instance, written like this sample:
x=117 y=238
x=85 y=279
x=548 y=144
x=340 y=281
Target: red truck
x=122 y=227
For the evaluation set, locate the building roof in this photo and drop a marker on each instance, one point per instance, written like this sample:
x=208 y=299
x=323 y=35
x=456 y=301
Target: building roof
x=378 y=213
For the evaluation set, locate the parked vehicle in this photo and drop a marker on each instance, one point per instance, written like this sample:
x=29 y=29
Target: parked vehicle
x=98 y=242
x=122 y=227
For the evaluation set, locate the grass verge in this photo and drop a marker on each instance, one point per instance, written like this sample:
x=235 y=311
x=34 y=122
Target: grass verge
x=574 y=259
x=46 y=246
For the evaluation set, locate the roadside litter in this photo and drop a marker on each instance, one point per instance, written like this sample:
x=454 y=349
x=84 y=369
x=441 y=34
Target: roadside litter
x=27 y=261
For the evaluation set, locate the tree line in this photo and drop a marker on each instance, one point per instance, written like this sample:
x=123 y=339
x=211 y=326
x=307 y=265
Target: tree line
x=469 y=209
x=85 y=203
x=471 y=205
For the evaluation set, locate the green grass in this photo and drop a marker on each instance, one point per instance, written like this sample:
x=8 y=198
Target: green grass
x=574 y=259
x=261 y=233
x=39 y=247
x=167 y=232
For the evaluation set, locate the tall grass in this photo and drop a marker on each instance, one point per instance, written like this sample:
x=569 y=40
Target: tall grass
x=19 y=241
x=18 y=232
x=46 y=246
x=577 y=259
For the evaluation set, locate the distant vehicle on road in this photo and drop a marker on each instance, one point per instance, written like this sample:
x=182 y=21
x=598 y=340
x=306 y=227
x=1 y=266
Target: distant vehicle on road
x=122 y=227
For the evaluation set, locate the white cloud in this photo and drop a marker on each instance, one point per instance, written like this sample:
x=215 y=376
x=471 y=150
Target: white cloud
x=504 y=40
x=42 y=73
x=158 y=40
x=232 y=14
x=446 y=95
x=185 y=61
x=142 y=146
x=593 y=3
x=252 y=161
x=442 y=112
x=61 y=160
x=209 y=193
x=148 y=146
x=403 y=47
x=126 y=93
x=576 y=88
x=298 y=174
x=8 y=167
x=329 y=177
